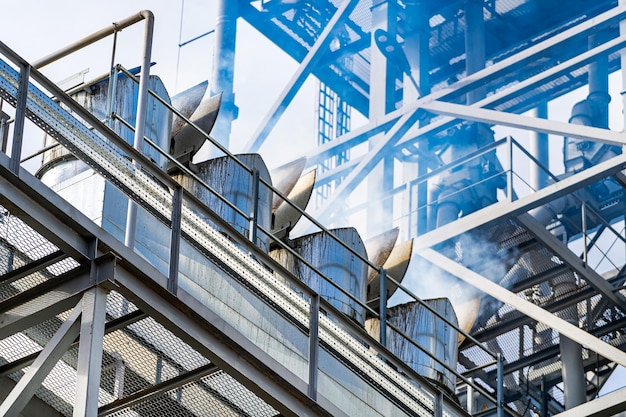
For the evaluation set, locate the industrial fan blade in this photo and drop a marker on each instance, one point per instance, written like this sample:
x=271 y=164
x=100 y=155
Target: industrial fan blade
x=285 y=177
x=188 y=140
x=396 y=266
x=187 y=102
x=379 y=248
x=286 y=216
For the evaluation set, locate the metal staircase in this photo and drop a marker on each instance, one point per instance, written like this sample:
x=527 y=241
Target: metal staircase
x=223 y=330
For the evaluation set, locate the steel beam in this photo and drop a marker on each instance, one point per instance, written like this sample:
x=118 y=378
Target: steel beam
x=41 y=367
x=306 y=66
x=48 y=302
x=472 y=81
x=531 y=310
x=574 y=262
x=375 y=155
x=32 y=267
x=606 y=406
x=38 y=211
x=157 y=389
x=90 y=352
x=534 y=124
x=203 y=330
x=499 y=211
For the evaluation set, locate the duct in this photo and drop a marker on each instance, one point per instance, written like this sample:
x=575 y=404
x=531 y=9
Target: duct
x=236 y=184
x=334 y=261
x=379 y=248
x=428 y=331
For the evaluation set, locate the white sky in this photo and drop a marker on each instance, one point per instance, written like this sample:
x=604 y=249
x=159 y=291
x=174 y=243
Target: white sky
x=36 y=28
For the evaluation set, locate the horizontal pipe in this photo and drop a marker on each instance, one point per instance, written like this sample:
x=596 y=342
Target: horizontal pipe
x=94 y=37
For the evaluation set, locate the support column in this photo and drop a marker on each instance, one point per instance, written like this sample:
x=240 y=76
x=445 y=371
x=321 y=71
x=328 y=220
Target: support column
x=223 y=75
x=416 y=48
x=539 y=148
x=383 y=76
x=90 y=352
x=475 y=52
x=573 y=372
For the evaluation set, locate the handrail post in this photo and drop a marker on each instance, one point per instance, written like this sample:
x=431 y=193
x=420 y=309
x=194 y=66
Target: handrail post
x=255 y=206
x=500 y=394
x=382 y=306
x=20 y=117
x=314 y=345
x=509 y=179
x=177 y=208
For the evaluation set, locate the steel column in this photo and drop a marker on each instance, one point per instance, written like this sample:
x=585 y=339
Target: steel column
x=538 y=147
x=90 y=352
x=223 y=73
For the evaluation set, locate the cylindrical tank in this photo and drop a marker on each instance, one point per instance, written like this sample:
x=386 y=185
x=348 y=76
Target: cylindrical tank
x=428 y=331
x=336 y=262
x=236 y=185
x=95 y=99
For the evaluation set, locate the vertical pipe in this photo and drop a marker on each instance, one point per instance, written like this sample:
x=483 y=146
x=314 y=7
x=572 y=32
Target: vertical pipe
x=622 y=32
x=475 y=52
x=416 y=48
x=222 y=77
x=140 y=124
x=383 y=76
x=112 y=83
x=509 y=173
x=573 y=372
x=540 y=150
x=20 y=117
x=469 y=401
x=544 y=397
x=599 y=82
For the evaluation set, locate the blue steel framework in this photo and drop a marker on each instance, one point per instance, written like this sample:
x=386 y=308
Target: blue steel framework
x=481 y=64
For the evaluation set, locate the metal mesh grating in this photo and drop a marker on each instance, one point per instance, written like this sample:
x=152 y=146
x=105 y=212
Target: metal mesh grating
x=216 y=395
x=18 y=234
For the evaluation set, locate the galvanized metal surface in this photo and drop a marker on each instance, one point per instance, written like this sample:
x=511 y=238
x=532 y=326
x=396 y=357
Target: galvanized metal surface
x=334 y=261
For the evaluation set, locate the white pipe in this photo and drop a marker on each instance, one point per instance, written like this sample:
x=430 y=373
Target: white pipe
x=140 y=124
